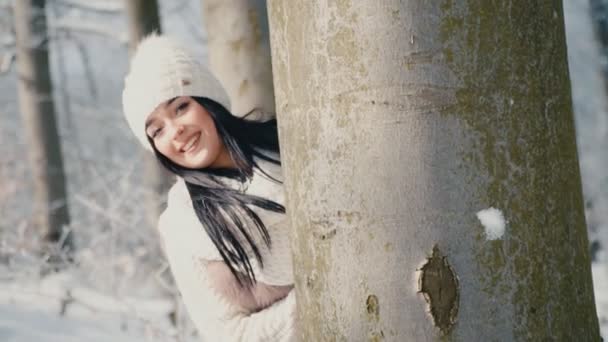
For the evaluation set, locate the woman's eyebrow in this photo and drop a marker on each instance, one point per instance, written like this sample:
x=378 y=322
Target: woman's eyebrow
x=169 y=102
x=151 y=118
x=149 y=122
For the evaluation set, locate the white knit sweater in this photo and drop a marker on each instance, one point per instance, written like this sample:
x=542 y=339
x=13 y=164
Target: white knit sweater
x=188 y=248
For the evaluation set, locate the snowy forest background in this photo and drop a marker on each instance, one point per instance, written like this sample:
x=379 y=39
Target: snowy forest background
x=120 y=288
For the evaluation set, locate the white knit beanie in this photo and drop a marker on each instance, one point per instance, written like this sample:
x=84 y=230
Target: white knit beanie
x=162 y=69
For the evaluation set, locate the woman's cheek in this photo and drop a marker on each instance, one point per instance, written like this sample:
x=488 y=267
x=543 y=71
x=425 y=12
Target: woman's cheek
x=208 y=143
x=166 y=149
x=161 y=147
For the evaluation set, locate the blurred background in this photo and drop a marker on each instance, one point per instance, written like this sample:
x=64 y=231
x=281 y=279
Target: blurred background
x=118 y=285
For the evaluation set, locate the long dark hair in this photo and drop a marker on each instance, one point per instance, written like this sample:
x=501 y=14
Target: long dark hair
x=224 y=212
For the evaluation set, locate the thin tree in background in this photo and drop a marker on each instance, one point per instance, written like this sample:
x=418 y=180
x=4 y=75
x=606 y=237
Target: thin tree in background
x=431 y=171
x=144 y=19
x=38 y=113
x=238 y=47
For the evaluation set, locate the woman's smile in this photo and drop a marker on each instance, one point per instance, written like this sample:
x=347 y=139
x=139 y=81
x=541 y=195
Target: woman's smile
x=192 y=143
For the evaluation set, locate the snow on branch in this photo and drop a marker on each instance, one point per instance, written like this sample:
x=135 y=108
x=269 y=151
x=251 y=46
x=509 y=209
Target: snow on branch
x=5 y=61
x=71 y=24
x=109 y=6
x=100 y=210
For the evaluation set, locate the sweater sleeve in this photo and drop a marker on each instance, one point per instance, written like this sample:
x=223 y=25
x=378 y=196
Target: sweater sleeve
x=188 y=250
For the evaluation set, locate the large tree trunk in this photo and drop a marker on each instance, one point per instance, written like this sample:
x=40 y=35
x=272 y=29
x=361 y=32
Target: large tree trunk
x=239 y=53
x=38 y=113
x=400 y=121
x=143 y=20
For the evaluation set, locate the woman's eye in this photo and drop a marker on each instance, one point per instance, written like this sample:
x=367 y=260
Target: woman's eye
x=156 y=132
x=181 y=108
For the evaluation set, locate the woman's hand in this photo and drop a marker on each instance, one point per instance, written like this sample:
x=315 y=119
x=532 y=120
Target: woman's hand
x=248 y=299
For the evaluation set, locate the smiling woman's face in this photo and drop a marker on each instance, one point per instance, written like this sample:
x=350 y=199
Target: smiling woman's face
x=183 y=131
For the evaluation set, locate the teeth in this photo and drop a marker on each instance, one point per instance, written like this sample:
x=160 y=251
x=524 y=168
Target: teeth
x=190 y=143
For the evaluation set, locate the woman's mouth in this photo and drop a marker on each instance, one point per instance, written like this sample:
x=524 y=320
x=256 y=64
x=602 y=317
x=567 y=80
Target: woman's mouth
x=191 y=144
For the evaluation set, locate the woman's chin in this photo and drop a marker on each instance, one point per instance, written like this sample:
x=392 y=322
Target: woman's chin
x=198 y=161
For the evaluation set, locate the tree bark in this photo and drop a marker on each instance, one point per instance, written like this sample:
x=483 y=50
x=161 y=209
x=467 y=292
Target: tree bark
x=239 y=53
x=38 y=114
x=399 y=121
x=144 y=19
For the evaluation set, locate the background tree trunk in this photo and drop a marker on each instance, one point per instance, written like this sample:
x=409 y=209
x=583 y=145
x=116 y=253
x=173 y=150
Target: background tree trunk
x=239 y=53
x=38 y=113
x=400 y=121
x=143 y=20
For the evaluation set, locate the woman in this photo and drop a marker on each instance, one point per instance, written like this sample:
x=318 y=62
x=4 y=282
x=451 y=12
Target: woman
x=224 y=230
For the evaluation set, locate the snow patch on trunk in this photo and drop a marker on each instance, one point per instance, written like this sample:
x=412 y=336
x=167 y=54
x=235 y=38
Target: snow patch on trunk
x=493 y=222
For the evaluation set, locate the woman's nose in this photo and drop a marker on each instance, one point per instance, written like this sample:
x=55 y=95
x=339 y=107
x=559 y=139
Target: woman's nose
x=179 y=129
